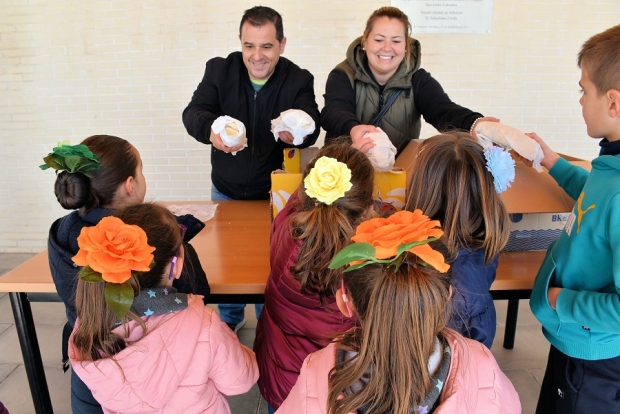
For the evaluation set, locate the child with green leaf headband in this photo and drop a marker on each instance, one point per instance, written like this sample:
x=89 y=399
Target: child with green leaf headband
x=138 y=343
x=400 y=358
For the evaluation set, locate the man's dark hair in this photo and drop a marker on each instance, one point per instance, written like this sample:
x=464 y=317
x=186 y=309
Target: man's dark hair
x=259 y=16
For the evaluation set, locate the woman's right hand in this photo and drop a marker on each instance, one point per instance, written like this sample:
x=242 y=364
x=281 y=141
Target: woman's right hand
x=359 y=141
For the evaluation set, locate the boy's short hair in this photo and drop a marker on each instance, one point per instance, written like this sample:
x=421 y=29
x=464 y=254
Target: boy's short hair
x=600 y=56
x=259 y=16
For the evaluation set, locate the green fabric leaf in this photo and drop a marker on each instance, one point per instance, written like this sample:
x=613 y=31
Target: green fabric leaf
x=89 y=275
x=351 y=253
x=119 y=297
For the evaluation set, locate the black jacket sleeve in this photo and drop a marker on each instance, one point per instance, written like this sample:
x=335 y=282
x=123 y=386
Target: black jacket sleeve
x=436 y=107
x=338 y=115
x=204 y=108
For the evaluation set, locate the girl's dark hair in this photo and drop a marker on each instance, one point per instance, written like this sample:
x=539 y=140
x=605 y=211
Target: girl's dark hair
x=451 y=183
x=119 y=161
x=326 y=229
x=400 y=313
x=93 y=337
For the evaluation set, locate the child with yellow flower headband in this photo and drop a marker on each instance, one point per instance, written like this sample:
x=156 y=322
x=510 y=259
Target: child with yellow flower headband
x=101 y=175
x=400 y=358
x=456 y=182
x=300 y=311
x=138 y=343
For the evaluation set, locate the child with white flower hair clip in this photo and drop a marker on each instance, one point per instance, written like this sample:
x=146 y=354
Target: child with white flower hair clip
x=458 y=183
x=139 y=344
x=300 y=310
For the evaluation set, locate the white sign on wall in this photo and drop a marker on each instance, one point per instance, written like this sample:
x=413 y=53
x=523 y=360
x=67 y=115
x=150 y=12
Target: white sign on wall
x=448 y=16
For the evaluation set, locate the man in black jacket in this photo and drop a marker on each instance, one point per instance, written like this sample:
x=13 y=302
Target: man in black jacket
x=253 y=86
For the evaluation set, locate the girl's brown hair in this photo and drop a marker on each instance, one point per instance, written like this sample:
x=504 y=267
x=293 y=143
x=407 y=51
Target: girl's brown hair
x=451 y=183
x=93 y=336
x=400 y=314
x=119 y=161
x=392 y=13
x=326 y=229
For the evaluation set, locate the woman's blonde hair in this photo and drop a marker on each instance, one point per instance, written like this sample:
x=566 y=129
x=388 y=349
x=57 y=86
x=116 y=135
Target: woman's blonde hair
x=93 y=336
x=451 y=183
x=325 y=229
x=400 y=314
x=391 y=13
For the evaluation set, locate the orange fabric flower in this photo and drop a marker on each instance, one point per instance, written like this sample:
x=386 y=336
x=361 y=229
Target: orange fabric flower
x=402 y=227
x=114 y=249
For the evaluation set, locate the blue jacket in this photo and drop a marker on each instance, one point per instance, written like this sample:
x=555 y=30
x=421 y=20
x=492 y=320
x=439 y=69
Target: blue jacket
x=473 y=311
x=585 y=263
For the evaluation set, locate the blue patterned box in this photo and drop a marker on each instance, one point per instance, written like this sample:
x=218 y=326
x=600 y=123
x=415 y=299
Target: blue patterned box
x=534 y=231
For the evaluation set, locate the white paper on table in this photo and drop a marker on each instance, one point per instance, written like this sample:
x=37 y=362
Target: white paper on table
x=231 y=130
x=203 y=212
x=490 y=133
x=383 y=155
x=295 y=121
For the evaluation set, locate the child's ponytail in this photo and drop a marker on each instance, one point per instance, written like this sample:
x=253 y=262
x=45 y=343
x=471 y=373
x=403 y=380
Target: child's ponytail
x=326 y=227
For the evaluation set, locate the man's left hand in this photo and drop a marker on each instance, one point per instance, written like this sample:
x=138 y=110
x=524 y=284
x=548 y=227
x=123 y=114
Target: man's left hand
x=287 y=137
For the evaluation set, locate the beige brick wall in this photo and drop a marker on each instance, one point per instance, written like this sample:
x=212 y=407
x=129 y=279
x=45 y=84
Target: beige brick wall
x=72 y=69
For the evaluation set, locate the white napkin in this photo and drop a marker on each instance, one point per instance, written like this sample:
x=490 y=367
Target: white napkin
x=231 y=130
x=383 y=154
x=490 y=133
x=295 y=121
x=203 y=212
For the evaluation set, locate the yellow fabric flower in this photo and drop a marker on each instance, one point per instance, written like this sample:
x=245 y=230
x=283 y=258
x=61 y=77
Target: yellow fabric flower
x=328 y=180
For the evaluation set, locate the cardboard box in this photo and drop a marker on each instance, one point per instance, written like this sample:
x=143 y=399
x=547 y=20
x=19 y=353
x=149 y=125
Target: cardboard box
x=389 y=188
x=534 y=200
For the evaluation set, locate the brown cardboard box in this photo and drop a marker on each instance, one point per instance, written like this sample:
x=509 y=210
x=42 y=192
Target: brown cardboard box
x=534 y=200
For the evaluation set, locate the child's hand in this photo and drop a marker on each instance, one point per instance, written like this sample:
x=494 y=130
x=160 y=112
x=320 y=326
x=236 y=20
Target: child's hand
x=552 y=296
x=550 y=157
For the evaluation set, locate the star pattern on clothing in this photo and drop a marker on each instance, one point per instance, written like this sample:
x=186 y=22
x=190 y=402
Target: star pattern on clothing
x=166 y=291
x=151 y=294
x=423 y=409
x=439 y=385
x=148 y=312
x=177 y=300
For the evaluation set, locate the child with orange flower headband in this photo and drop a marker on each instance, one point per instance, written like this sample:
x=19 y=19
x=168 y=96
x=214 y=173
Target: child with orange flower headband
x=300 y=311
x=401 y=357
x=139 y=344
x=455 y=181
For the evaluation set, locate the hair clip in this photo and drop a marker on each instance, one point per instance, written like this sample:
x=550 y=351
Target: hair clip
x=502 y=167
x=384 y=240
x=110 y=252
x=72 y=158
x=328 y=180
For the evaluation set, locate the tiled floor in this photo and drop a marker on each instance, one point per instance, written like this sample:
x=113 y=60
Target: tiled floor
x=524 y=364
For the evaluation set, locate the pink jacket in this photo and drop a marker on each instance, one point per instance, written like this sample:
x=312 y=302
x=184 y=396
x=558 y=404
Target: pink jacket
x=292 y=325
x=187 y=363
x=475 y=382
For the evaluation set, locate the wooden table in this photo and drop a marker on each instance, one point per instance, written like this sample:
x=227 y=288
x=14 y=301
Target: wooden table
x=234 y=251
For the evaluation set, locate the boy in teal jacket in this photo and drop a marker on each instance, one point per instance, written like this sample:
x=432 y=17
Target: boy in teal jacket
x=576 y=295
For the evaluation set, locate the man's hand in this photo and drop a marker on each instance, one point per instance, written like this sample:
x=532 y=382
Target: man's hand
x=550 y=157
x=287 y=137
x=217 y=143
x=357 y=136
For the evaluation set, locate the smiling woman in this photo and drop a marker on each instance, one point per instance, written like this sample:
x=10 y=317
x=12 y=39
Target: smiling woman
x=381 y=84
